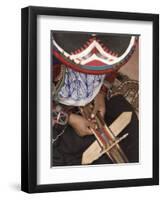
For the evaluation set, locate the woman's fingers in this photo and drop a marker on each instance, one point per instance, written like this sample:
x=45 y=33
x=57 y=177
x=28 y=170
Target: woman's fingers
x=92 y=125
x=93 y=114
x=102 y=112
x=89 y=131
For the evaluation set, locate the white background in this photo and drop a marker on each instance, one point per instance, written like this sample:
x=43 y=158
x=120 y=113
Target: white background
x=10 y=41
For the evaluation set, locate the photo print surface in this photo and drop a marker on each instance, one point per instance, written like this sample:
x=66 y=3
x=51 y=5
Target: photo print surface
x=94 y=98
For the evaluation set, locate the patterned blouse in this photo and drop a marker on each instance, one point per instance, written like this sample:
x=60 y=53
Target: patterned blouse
x=79 y=89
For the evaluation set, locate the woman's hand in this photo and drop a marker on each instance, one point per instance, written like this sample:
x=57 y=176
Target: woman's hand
x=99 y=105
x=81 y=125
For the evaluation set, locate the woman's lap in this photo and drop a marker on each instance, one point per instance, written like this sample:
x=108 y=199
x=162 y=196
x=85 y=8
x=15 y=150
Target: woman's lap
x=68 y=149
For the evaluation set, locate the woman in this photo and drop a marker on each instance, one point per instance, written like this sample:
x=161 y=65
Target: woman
x=85 y=76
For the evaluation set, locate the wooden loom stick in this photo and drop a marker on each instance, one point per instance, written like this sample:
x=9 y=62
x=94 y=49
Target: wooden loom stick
x=122 y=157
x=116 y=153
x=93 y=151
x=86 y=111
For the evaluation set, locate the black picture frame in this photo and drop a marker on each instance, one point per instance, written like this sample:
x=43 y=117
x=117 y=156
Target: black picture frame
x=29 y=98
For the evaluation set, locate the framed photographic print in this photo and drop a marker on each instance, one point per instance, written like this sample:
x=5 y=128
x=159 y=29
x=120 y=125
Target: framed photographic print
x=90 y=99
